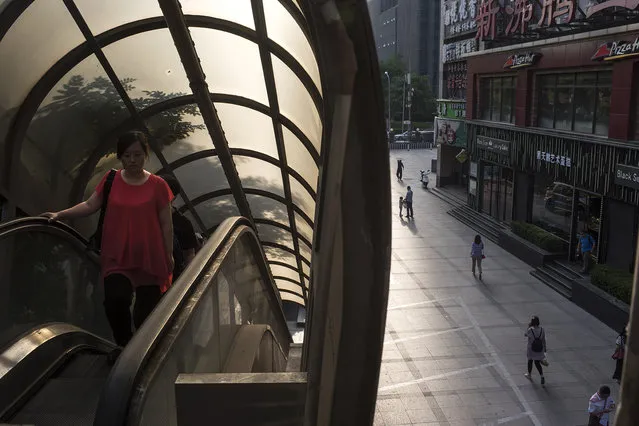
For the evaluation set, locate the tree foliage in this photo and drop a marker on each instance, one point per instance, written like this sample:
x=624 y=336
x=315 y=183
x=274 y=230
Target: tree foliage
x=423 y=106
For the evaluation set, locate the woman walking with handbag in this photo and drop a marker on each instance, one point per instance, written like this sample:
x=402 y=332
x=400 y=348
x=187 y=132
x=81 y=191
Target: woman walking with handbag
x=619 y=353
x=477 y=254
x=137 y=245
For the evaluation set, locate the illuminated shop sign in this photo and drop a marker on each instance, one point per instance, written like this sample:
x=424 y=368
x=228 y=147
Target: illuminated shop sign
x=520 y=60
x=454 y=51
x=549 y=157
x=494 y=145
x=617 y=50
x=459 y=17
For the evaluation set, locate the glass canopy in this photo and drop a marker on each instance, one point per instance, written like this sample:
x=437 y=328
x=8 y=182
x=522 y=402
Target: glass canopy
x=76 y=73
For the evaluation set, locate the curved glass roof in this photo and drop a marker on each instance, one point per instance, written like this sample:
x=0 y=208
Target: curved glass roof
x=228 y=90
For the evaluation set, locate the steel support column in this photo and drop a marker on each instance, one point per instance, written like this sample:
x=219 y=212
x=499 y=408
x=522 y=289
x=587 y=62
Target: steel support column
x=188 y=55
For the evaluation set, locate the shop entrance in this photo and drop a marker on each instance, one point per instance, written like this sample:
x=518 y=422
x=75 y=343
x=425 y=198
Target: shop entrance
x=497 y=192
x=589 y=211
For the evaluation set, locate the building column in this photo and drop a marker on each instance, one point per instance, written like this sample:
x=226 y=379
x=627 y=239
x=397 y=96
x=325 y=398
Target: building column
x=523 y=91
x=619 y=126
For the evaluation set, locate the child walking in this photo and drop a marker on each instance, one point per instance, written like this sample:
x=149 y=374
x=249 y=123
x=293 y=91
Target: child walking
x=401 y=205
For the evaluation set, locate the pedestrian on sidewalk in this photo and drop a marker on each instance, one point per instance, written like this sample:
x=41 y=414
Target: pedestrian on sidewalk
x=477 y=254
x=619 y=354
x=400 y=169
x=401 y=205
x=409 y=202
x=600 y=406
x=585 y=247
x=536 y=350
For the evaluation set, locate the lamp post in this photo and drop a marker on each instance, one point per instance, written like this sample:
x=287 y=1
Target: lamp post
x=388 y=126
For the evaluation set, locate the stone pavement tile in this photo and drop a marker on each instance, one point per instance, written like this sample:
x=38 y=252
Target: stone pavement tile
x=378 y=421
x=396 y=417
x=421 y=416
x=429 y=265
x=413 y=254
x=392 y=404
x=515 y=293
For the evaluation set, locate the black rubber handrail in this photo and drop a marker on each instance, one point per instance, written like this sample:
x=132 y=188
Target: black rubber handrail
x=39 y=222
x=113 y=408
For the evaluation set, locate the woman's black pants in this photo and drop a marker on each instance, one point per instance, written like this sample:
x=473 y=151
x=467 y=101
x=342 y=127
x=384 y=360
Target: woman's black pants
x=537 y=365
x=118 y=294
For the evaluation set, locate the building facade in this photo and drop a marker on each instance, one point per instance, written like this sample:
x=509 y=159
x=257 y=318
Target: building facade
x=552 y=120
x=409 y=29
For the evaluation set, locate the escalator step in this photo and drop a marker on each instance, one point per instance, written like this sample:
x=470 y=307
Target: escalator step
x=85 y=365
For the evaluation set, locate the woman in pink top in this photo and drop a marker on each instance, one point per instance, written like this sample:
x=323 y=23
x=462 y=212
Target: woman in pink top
x=137 y=237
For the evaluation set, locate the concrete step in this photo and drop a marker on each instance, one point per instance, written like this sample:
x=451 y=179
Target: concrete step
x=556 y=283
x=444 y=195
x=483 y=230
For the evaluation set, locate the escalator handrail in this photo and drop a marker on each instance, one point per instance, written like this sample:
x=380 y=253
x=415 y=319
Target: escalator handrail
x=38 y=222
x=113 y=407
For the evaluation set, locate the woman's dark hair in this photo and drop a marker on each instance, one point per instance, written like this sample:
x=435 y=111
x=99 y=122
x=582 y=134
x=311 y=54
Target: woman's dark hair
x=173 y=183
x=129 y=138
x=534 y=321
x=477 y=239
x=604 y=390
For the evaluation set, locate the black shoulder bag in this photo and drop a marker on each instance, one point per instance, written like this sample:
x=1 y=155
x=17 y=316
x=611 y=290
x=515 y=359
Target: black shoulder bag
x=95 y=242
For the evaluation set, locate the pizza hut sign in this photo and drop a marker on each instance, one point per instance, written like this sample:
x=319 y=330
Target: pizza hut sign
x=617 y=50
x=520 y=60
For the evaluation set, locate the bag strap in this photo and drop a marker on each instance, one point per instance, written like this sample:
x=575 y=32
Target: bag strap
x=105 y=196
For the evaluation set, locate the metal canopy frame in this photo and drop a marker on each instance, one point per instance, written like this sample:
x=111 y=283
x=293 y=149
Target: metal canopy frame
x=178 y=25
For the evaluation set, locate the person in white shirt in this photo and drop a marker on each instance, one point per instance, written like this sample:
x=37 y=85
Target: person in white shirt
x=600 y=406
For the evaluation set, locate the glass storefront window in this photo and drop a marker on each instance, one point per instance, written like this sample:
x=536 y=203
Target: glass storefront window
x=497 y=193
x=577 y=102
x=552 y=206
x=589 y=215
x=497 y=99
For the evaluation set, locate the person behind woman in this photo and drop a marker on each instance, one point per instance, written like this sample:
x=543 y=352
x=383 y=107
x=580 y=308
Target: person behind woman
x=620 y=351
x=600 y=406
x=536 y=350
x=477 y=254
x=137 y=237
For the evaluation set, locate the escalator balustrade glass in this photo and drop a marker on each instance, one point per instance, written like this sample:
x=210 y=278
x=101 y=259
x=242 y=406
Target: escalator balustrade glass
x=48 y=276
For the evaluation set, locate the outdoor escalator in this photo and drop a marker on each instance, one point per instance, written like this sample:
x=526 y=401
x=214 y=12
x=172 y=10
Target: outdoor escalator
x=54 y=339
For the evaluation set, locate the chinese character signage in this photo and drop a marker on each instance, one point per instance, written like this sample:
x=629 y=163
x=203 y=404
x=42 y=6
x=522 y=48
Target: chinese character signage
x=455 y=77
x=627 y=176
x=450 y=132
x=596 y=7
x=549 y=157
x=455 y=51
x=451 y=109
x=520 y=60
x=495 y=145
x=617 y=50
x=521 y=17
x=459 y=17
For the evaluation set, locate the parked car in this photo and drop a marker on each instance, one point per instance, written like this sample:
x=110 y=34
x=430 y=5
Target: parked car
x=412 y=136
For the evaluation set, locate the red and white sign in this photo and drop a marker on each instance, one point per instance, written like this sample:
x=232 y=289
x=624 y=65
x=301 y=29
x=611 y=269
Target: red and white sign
x=614 y=50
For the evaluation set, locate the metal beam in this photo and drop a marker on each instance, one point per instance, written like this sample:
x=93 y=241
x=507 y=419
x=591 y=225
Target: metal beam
x=286 y=249
x=186 y=49
x=284 y=227
x=242 y=152
x=271 y=90
x=97 y=51
x=251 y=191
x=285 y=265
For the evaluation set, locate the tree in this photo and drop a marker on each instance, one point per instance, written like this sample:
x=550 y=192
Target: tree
x=423 y=105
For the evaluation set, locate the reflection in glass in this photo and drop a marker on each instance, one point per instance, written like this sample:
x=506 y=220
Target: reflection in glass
x=148 y=67
x=603 y=111
x=495 y=98
x=202 y=176
x=584 y=109
x=546 y=111
x=283 y=30
x=296 y=103
x=239 y=11
x=301 y=198
x=259 y=174
x=299 y=159
x=273 y=234
x=484 y=99
x=267 y=208
x=231 y=63
x=237 y=295
x=103 y=16
x=289 y=286
x=41 y=35
x=73 y=119
x=306 y=269
x=179 y=132
x=303 y=228
x=563 y=113
x=305 y=251
x=292 y=298
x=282 y=271
x=258 y=136
x=47 y=279
x=216 y=210
x=278 y=255
x=552 y=206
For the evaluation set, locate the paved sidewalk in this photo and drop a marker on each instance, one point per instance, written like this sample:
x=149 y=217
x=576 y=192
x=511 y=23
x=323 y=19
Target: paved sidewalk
x=454 y=350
